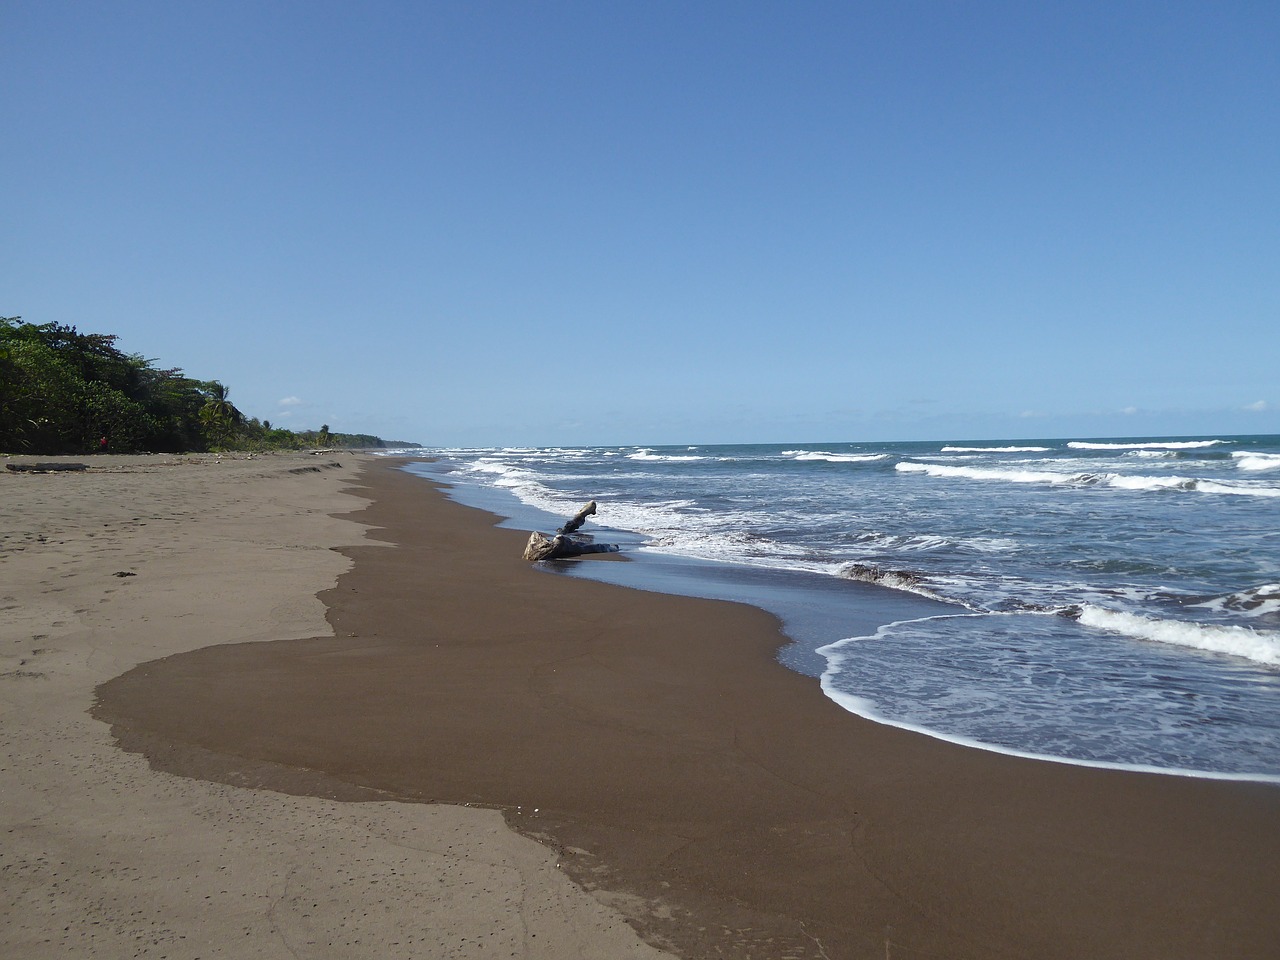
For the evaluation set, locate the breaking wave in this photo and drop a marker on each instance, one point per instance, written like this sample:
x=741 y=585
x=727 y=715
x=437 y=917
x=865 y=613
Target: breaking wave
x=1236 y=641
x=1256 y=461
x=834 y=457
x=647 y=454
x=1150 y=445
x=1119 y=481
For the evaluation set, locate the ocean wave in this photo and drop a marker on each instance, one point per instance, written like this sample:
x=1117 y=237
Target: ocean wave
x=1119 y=481
x=1151 y=445
x=981 y=473
x=996 y=449
x=834 y=457
x=1256 y=461
x=1237 y=488
x=666 y=457
x=1235 y=641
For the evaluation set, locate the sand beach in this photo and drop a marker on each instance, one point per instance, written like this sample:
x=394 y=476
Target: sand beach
x=140 y=558
x=355 y=723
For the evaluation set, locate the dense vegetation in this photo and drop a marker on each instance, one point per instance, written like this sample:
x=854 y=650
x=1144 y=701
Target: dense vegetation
x=62 y=391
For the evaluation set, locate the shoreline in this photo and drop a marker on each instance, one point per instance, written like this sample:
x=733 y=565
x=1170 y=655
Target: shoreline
x=869 y=608
x=685 y=777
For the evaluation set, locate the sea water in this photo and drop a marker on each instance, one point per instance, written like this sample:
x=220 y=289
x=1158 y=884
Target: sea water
x=1107 y=602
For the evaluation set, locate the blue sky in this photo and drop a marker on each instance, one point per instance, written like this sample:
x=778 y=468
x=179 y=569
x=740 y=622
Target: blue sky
x=570 y=222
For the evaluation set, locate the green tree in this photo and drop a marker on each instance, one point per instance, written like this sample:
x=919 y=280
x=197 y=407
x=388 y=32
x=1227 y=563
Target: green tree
x=62 y=390
x=174 y=402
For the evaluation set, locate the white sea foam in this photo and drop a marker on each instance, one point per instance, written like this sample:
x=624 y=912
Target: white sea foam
x=523 y=483
x=1256 y=461
x=650 y=455
x=995 y=449
x=834 y=457
x=1153 y=445
x=1237 y=641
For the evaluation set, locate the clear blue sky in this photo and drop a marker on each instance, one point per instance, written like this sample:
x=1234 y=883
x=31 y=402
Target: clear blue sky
x=609 y=222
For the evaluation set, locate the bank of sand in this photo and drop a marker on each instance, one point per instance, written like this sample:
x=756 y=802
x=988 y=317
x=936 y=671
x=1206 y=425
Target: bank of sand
x=715 y=798
x=140 y=558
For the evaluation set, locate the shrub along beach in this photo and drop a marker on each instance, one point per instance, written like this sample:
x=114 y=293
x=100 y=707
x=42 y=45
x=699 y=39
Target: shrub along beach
x=63 y=391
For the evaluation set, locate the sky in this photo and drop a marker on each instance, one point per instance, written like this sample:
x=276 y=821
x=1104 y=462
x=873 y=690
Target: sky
x=556 y=223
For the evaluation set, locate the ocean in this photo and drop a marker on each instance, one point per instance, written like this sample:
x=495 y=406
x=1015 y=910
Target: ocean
x=1104 y=602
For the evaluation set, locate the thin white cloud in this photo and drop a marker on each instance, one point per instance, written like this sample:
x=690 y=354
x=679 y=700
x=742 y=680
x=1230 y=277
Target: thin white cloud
x=1258 y=406
x=1129 y=411
x=290 y=401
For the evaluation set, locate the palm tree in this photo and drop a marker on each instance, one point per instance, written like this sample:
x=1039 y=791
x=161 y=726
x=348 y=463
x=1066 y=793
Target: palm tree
x=219 y=415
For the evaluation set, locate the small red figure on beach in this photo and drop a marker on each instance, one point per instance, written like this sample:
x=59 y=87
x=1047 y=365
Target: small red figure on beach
x=102 y=445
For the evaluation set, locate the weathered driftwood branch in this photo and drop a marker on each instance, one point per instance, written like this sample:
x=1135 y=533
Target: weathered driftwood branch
x=541 y=547
x=579 y=518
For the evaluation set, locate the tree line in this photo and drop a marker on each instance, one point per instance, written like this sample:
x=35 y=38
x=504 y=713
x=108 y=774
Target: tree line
x=63 y=391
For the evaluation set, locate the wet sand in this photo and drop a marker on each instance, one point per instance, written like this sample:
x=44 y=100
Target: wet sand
x=679 y=773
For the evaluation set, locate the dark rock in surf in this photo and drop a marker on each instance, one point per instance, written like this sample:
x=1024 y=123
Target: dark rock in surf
x=870 y=573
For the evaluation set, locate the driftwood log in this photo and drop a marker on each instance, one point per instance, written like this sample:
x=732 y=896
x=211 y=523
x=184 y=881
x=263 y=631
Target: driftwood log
x=55 y=467
x=562 y=546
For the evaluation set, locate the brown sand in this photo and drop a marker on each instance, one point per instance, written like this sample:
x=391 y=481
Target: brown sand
x=102 y=857
x=714 y=797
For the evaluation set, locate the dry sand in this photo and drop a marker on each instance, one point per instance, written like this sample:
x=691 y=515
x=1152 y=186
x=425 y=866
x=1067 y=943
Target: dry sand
x=714 y=797
x=101 y=856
